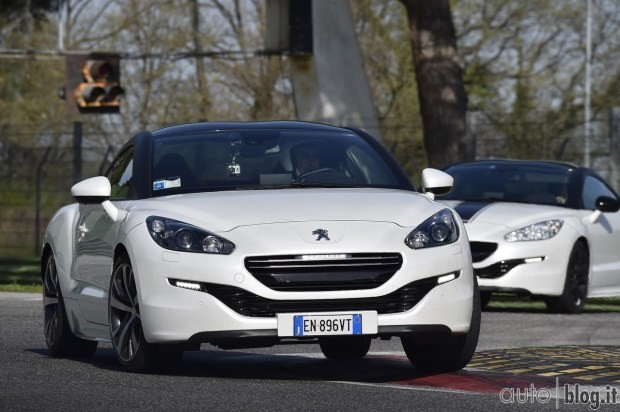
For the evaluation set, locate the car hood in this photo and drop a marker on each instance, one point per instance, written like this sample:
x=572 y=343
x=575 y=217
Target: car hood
x=227 y=210
x=504 y=214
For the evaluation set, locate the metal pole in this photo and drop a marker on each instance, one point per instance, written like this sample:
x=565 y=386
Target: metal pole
x=37 y=206
x=77 y=152
x=586 y=149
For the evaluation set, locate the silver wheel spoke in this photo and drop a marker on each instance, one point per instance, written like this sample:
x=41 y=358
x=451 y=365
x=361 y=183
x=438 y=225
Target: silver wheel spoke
x=125 y=327
x=116 y=303
x=50 y=301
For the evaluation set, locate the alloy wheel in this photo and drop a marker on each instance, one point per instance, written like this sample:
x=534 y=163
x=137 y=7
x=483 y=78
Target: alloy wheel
x=125 y=322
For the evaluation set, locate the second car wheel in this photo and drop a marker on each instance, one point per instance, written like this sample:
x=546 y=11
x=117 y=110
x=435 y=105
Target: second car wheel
x=573 y=298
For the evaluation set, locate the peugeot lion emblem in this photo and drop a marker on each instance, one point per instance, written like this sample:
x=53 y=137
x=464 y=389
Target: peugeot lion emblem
x=320 y=234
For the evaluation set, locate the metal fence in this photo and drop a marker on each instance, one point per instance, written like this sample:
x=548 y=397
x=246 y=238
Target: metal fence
x=37 y=170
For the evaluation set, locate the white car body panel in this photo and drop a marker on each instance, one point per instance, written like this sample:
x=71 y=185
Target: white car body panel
x=492 y=222
x=258 y=224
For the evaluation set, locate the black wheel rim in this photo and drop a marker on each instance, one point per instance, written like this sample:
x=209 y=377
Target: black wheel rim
x=51 y=299
x=125 y=323
x=580 y=266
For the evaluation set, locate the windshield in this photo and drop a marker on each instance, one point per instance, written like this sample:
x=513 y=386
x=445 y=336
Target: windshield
x=525 y=183
x=265 y=159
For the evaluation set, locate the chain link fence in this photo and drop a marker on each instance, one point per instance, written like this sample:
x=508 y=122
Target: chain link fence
x=37 y=170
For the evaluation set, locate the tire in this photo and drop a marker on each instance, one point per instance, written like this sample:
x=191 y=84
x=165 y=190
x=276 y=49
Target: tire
x=60 y=340
x=485 y=298
x=447 y=357
x=344 y=347
x=132 y=350
x=575 y=293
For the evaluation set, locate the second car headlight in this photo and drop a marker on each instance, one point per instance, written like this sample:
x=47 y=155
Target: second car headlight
x=438 y=230
x=537 y=231
x=174 y=235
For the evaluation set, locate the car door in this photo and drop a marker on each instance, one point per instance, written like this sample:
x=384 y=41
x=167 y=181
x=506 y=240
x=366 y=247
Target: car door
x=604 y=235
x=96 y=239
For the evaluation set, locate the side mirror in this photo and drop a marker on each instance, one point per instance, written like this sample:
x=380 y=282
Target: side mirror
x=436 y=182
x=97 y=190
x=92 y=191
x=607 y=204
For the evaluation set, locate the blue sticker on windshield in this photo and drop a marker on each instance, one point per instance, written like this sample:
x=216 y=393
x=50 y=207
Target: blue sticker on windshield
x=166 y=184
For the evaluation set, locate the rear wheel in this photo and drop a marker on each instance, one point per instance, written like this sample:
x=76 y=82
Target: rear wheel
x=448 y=357
x=61 y=342
x=344 y=347
x=575 y=293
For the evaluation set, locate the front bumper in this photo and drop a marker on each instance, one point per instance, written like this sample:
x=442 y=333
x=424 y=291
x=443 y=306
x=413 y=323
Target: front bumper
x=534 y=267
x=174 y=314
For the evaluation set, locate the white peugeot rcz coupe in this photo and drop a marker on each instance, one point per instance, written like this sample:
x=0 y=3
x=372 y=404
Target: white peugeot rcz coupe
x=254 y=234
x=540 y=228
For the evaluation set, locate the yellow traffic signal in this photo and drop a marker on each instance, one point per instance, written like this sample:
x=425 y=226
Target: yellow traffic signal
x=98 y=89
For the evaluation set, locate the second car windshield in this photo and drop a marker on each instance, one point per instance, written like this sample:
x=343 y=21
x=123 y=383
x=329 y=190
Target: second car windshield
x=257 y=159
x=509 y=183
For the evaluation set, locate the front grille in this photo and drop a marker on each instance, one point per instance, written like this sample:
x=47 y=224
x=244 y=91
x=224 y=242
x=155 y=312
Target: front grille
x=248 y=304
x=312 y=273
x=481 y=250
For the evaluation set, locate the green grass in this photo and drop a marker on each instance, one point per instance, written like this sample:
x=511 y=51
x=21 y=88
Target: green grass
x=23 y=288
x=508 y=303
x=20 y=274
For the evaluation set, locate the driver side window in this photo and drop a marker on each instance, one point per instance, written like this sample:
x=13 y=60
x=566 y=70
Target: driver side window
x=592 y=189
x=120 y=175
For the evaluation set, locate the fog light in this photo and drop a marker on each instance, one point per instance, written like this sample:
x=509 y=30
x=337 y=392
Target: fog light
x=534 y=259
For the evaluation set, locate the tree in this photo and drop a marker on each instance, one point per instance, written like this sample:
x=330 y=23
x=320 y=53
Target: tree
x=383 y=34
x=524 y=72
x=439 y=77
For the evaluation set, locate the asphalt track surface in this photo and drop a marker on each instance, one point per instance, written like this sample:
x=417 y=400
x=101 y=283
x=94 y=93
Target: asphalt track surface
x=524 y=361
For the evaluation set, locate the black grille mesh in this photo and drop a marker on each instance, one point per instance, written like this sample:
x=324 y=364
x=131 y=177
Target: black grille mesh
x=324 y=272
x=249 y=304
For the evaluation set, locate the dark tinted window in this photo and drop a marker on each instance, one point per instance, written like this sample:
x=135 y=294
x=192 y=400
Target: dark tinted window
x=120 y=175
x=527 y=183
x=225 y=160
x=593 y=188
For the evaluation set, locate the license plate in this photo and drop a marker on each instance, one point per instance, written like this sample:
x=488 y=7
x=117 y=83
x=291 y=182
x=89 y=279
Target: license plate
x=320 y=325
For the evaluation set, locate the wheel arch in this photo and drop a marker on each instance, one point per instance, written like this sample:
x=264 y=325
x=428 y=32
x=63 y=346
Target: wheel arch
x=120 y=250
x=47 y=250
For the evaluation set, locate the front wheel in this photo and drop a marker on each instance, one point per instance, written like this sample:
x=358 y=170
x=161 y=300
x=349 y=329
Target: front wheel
x=573 y=297
x=448 y=357
x=132 y=350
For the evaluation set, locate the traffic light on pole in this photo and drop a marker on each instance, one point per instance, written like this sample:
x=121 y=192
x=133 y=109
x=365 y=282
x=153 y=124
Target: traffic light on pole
x=93 y=83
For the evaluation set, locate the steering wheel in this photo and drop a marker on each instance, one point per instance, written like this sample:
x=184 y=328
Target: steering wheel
x=306 y=175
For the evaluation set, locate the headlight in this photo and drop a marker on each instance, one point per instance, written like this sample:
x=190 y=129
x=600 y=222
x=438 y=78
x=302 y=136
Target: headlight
x=438 y=230
x=537 y=231
x=175 y=235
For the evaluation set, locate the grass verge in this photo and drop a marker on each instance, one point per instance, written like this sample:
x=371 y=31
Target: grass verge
x=511 y=303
